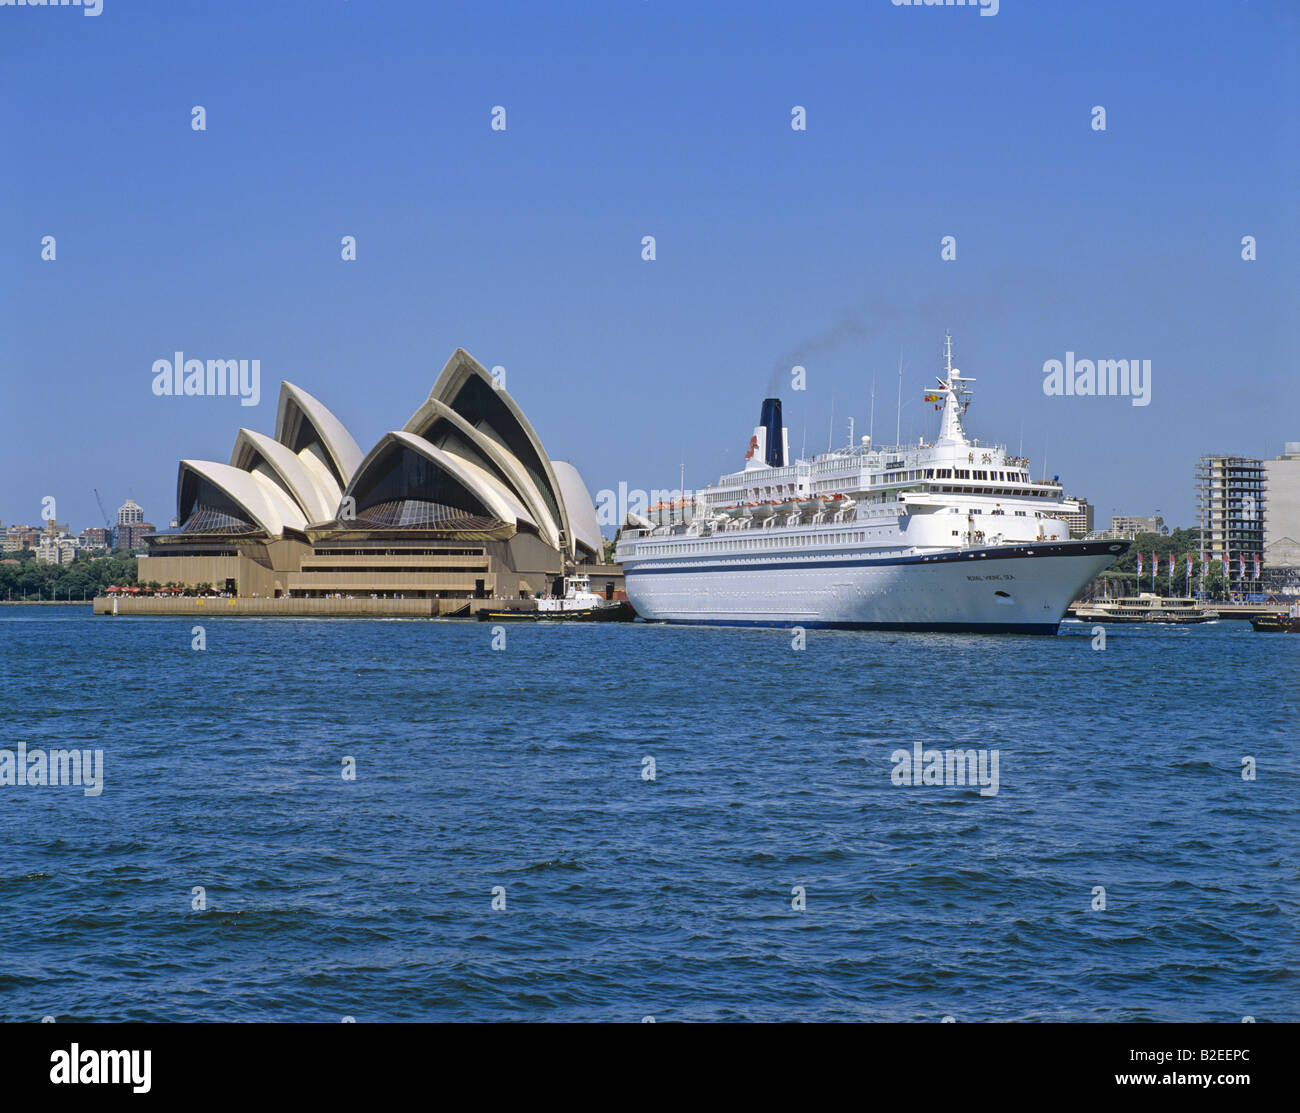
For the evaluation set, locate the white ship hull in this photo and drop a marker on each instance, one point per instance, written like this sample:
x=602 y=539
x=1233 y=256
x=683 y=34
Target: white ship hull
x=1022 y=588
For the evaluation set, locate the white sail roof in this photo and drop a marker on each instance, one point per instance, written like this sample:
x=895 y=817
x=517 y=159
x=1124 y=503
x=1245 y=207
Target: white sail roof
x=521 y=483
x=265 y=503
x=499 y=501
x=309 y=488
x=507 y=426
x=339 y=449
x=578 y=504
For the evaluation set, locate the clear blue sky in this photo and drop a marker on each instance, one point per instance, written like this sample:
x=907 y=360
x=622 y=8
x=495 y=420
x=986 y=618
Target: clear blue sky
x=627 y=119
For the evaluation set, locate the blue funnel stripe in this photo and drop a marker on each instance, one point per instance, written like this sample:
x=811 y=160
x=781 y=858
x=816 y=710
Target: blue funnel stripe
x=774 y=457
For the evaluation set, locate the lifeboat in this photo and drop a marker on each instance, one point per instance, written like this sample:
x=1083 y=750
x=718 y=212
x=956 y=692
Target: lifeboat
x=636 y=521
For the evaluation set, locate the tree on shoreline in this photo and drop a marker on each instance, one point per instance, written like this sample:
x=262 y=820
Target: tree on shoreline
x=84 y=577
x=1121 y=577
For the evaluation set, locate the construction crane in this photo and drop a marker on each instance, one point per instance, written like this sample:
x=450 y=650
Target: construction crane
x=108 y=523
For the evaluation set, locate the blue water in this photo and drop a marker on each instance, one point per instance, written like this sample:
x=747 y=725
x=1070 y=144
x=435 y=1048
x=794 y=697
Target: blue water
x=624 y=897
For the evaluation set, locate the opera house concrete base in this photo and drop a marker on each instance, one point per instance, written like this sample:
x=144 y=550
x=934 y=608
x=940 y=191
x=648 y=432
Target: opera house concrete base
x=461 y=504
x=245 y=607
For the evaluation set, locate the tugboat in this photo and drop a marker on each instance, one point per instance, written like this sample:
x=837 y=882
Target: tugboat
x=578 y=604
x=1285 y=622
x=1146 y=608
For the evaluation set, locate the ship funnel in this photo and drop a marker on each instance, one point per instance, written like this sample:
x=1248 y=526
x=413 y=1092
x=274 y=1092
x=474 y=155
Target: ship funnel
x=771 y=422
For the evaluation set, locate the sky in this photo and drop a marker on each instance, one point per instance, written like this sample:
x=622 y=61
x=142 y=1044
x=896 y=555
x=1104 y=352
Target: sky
x=631 y=118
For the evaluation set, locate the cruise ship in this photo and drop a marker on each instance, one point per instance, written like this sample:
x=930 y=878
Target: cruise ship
x=950 y=536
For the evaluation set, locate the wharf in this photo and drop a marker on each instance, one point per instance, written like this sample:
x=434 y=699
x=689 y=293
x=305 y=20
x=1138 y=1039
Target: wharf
x=257 y=607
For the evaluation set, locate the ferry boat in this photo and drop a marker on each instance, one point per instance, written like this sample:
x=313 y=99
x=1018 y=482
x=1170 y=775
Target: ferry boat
x=1146 y=607
x=951 y=536
x=1284 y=622
x=578 y=604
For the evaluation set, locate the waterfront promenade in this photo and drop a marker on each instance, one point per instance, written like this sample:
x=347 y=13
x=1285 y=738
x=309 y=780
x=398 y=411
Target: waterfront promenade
x=237 y=606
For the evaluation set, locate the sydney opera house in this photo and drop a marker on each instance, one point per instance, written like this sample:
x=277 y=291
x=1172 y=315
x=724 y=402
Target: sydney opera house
x=462 y=502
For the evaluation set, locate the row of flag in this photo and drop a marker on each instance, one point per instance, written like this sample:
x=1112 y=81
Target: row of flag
x=1155 y=565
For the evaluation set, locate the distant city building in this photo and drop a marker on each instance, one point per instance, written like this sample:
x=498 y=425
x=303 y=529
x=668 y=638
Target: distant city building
x=1230 y=511
x=1078 y=521
x=131 y=536
x=1129 y=526
x=17 y=538
x=1282 y=525
x=130 y=513
x=56 y=548
x=96 y=537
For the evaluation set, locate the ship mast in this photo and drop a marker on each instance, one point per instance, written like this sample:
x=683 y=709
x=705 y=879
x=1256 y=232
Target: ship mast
x=871 y=428
x=898 y=432
x=956 y=399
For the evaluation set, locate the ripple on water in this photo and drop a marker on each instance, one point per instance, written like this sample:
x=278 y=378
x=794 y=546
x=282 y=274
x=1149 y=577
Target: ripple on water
x=771 y=870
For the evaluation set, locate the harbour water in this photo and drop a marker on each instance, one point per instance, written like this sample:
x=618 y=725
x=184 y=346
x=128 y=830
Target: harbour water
x=522 y=770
